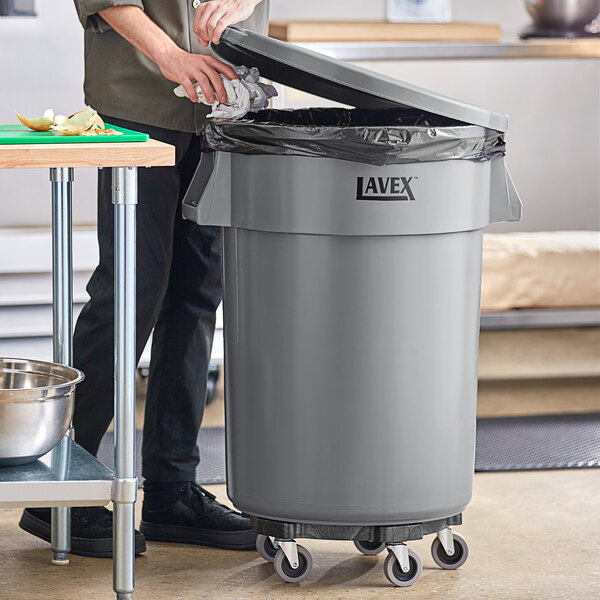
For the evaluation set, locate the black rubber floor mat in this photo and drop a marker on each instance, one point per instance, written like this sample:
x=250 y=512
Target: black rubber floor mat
x=212 y=454
x=503 y=444
x=538 y=442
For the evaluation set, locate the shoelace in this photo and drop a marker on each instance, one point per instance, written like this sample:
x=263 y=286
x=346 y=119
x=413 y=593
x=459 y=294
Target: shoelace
x=198 y=490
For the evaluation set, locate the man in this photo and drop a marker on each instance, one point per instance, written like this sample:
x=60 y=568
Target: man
x=136 y=53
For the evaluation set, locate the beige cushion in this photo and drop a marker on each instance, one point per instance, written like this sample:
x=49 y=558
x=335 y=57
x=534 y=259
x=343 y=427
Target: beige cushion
x=555 y=269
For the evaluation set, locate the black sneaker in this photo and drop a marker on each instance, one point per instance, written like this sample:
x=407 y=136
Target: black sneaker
x=91 y=530
x=187 y=514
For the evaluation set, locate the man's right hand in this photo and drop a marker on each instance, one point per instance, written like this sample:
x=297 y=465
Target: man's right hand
x=175 y=64
x=184 y=68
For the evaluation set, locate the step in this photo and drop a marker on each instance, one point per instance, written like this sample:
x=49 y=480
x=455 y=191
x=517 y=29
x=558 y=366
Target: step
x=539 y=354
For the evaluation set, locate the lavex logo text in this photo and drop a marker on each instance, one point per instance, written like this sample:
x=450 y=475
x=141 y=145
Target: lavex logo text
x=384 y=188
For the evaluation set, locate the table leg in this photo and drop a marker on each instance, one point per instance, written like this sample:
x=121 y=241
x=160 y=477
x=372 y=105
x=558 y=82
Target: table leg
x=62 y=322
x=124 y=193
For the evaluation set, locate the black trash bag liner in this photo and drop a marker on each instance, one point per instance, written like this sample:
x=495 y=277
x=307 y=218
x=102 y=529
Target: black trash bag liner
x=376 y=137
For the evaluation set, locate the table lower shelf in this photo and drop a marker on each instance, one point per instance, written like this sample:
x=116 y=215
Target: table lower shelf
x=66 y=476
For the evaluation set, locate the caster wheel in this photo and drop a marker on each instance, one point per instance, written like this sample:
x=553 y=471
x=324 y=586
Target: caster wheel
x=266 y=548
x=369 y=548
x=285 y=571
x=461 y=552
x=396 y=576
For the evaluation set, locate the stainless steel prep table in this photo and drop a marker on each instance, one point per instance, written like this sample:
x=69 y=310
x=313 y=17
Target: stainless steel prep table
x=68 y=475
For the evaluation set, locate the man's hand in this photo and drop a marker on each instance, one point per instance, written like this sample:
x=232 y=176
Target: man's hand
x=174 y=63
x=185 y=68
x=213 y=17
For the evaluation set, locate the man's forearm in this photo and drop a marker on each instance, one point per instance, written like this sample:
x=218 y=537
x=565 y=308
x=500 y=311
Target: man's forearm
x=174 y=63
x=141 y=31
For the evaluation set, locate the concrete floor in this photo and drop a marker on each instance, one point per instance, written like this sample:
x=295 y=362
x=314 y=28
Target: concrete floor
x=532 y=535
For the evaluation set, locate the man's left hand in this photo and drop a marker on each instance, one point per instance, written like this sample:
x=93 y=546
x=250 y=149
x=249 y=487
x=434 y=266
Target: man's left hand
x=213 y=17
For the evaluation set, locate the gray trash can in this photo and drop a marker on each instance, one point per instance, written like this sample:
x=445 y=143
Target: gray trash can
x=352 y=276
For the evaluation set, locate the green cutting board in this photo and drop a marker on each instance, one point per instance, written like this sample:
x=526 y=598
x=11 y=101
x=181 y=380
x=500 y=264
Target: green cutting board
x=19 y=134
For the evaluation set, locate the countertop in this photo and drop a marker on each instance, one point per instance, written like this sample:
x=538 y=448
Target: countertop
x=511 y=48
x=106 y=154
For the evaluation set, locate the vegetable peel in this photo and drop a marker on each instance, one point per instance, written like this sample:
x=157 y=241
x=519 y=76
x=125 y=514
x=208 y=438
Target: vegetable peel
x=84 y=122
x=42 y=123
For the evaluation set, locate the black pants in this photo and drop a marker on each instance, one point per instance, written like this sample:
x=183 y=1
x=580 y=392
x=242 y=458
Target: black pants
x=178 y=291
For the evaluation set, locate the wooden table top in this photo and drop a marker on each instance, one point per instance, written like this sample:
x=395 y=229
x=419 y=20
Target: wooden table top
x=101 y=154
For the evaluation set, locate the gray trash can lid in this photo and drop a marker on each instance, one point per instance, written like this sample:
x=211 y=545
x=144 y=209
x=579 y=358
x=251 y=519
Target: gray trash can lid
x=343 y=82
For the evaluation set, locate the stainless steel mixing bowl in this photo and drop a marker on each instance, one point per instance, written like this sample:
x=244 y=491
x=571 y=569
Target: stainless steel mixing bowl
x=563 y=14
x=36 y=407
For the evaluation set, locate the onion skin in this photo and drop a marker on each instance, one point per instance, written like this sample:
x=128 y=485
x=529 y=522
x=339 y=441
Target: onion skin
x=38 y=124
x=84 y=122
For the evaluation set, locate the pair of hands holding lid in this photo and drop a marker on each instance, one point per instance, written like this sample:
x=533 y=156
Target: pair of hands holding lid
x=211 y=19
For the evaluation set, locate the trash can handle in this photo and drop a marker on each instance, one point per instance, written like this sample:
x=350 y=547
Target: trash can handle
x=208 y=197
x=505 y=203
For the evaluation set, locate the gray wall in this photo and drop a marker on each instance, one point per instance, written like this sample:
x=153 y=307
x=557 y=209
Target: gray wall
x=511 y=14
x=553 y=145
